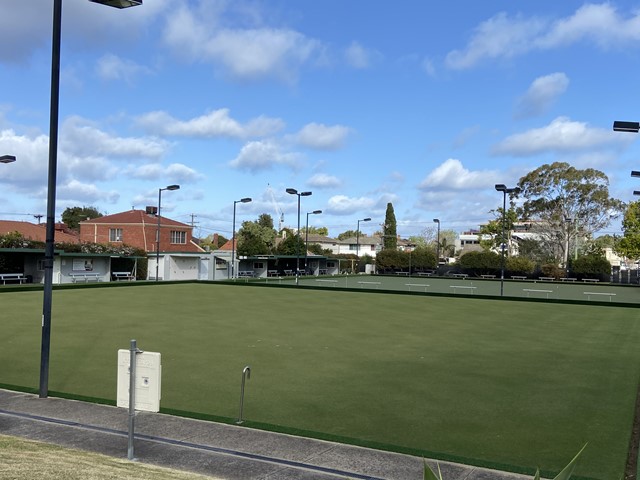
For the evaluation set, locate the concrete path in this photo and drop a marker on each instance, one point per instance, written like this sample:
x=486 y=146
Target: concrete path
x=221 y=451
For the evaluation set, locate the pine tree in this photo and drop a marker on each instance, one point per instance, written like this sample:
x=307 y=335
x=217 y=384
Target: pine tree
x=390 y=240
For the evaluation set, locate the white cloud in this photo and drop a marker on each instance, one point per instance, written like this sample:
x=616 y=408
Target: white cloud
x=79 y=137
x=323 y=137
x=360 y=57
x=541 y=94
x=217 y=123
x=26 y=25
x=263 y=155
x=176 y=172
x=505 y=37
x=249 y=53
x=428 y=67
x=343 y=205
x=452 y=175
x=561 y=135
x=322 y=180
x=86 y=194
x=599 y=23
x=500 y=36
x=113 y=68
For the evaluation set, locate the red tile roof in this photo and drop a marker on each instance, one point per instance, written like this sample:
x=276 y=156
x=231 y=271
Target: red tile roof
x=134 y=217
x=35 y=232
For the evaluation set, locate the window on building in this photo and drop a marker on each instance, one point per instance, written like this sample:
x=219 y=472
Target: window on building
x=115 y=234
x=258 y=265
x=178 y=236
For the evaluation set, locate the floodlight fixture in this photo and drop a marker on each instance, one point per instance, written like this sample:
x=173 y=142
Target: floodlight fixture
x=635 y=173
x=636 y=192
x=7 y=158
x=631 y=127
x=119 y=3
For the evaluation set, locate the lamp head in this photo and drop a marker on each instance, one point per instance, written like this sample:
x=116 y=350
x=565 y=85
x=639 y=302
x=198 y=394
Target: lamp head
x=501 y=187
x=316 y=212
x=635 y=173
x=632 y=127
x=292 y=191
x=366 y=219
x=119 y=3
x=172 y=187
x=245 y=200
x=7 y=158
x=305 y=194
x=436 y=220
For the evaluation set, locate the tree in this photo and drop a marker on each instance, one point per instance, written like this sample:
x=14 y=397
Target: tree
x=347 y=234
x=629 y=245
x=389 y=229
x=256 y=238
x=72 y=216
x=324 y=231
x=291 y=245
x=480 y=263
x=566 y=203
x=494 y=229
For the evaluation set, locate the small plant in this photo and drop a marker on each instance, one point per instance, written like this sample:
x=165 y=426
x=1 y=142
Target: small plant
x=565 y=474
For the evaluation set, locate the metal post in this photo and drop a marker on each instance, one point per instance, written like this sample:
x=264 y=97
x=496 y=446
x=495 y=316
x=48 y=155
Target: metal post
x=246 y=374
x=51 y=200
x=132 y=395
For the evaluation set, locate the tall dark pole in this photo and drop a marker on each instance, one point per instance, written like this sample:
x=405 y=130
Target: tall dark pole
x=160 y=190
x=233 y=235
x=358 y=238
x=306 y=237
x=503 y=188
x=51 y=200
x=51 y=186
x=437 y=243
x=293 y=191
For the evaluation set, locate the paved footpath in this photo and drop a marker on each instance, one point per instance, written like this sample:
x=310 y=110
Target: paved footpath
x=221 y=451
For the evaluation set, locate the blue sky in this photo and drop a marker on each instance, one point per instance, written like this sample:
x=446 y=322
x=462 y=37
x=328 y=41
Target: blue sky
x=423 y=104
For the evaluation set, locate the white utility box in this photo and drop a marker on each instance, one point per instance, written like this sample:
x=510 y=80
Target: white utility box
x=148 y=375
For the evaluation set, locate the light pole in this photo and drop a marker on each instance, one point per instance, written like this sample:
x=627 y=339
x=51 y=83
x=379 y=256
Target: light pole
x=503 y=188
x=436 y=220
x=51 y=185
x=160 y=190
x=306 y=236
x=358 y=238
x=7 y=158
x=233 y=233
x=293 y=191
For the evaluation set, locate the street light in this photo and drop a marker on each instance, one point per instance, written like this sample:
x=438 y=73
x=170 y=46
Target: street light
x=51 y=185
x=306 y=237
x=160 y=190
x=503 y=188
x=7 y=158
x=233 y=233
x=631 y=127
x=437 y=244
x=358 y=238
x=293 y=191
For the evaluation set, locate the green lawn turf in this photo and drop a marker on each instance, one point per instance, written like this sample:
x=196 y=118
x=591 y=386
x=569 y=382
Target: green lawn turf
x=498 y=383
